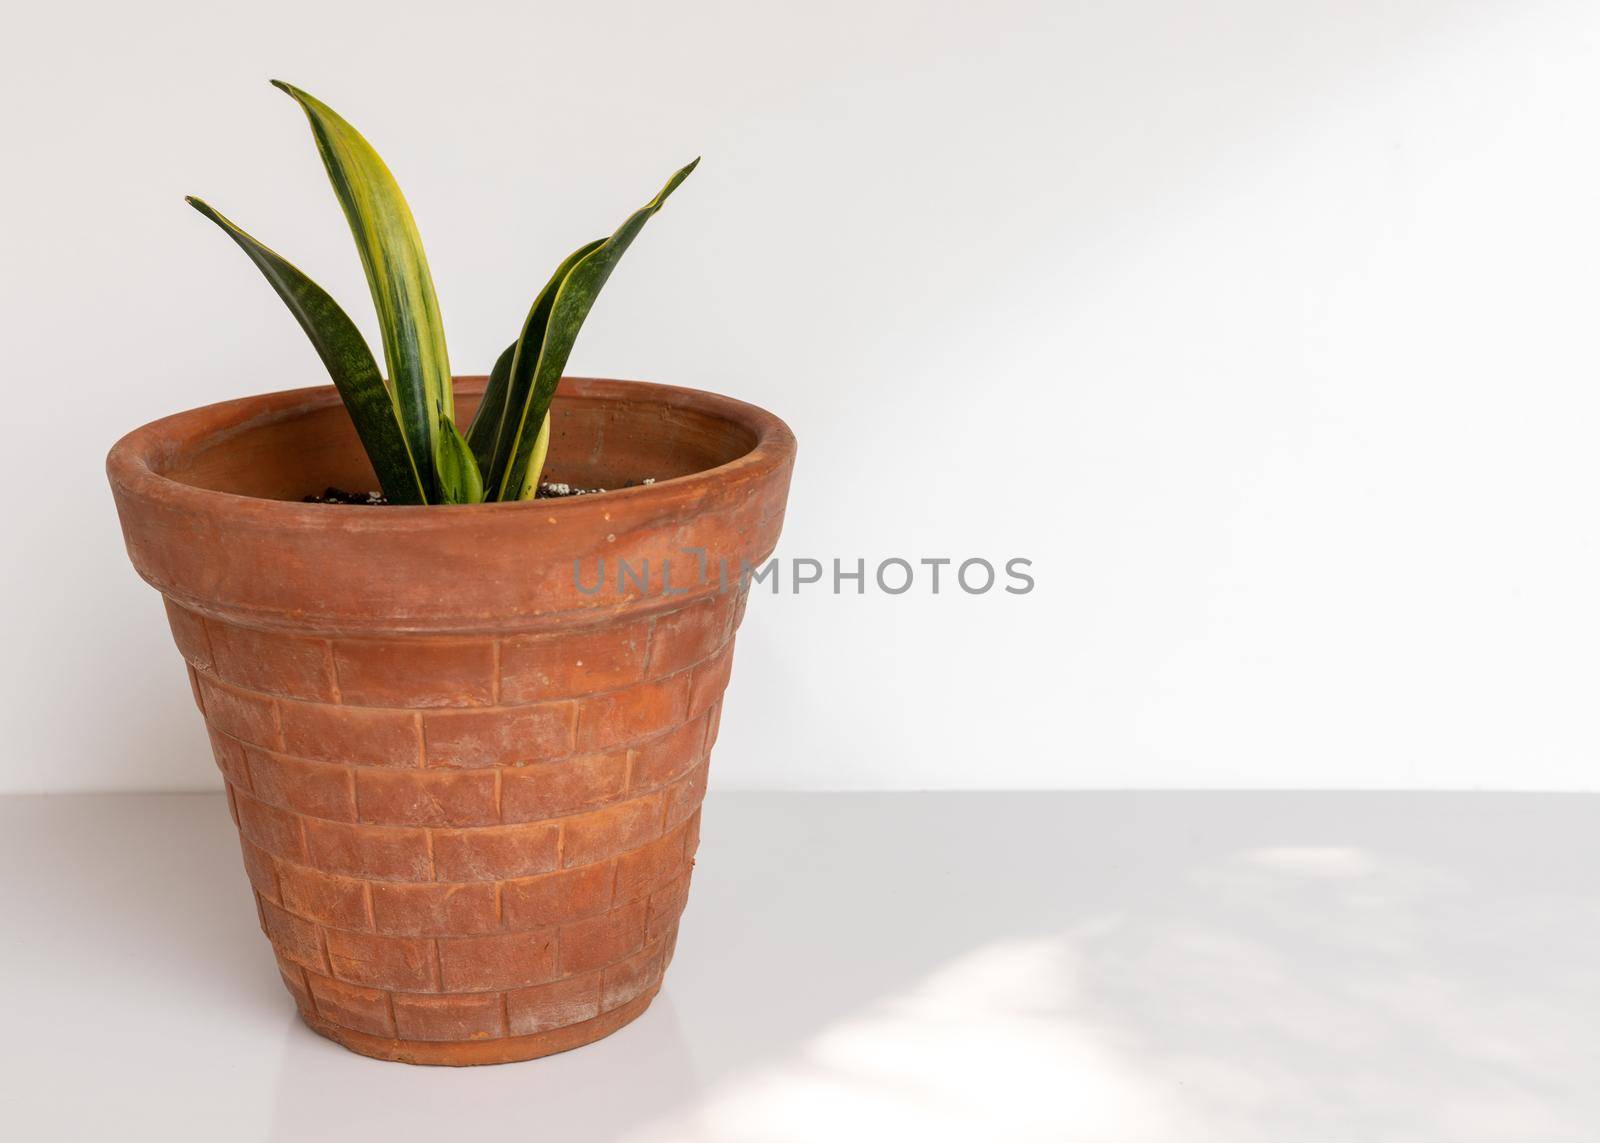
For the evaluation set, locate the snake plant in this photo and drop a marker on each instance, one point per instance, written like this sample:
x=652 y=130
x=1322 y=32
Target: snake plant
x=407 y=420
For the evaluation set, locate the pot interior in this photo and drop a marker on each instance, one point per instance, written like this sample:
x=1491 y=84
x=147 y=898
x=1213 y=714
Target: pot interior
x=596 y=441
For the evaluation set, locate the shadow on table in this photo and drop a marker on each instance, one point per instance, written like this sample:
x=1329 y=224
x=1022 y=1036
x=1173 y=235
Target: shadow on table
x=1182 y=968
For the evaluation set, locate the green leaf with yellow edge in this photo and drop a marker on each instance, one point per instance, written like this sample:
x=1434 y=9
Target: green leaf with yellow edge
x=397 y=274
x=348 y=360
x=500 y=415
x=539 y=376
x=541 y=449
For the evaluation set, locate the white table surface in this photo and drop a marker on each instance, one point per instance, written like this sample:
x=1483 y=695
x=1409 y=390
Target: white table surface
x=1181 y=968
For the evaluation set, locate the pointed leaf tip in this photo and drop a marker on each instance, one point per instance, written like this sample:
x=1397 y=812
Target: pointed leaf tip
x=536 y=368
x=397 y=276
x=206 y=210
x=304 y=98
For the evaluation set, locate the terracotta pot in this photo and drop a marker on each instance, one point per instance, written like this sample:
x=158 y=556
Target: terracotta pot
x=467 y=784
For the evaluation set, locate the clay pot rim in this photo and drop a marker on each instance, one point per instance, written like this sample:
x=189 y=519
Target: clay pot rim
x=128 y=465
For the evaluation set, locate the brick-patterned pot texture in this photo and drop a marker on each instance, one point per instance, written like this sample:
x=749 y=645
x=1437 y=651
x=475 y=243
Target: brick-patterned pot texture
x=466 y=771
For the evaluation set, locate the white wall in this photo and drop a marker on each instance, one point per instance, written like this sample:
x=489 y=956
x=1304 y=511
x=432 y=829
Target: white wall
x=1266 y=330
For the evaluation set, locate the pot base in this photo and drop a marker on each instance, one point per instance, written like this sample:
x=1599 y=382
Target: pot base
x=467 y=1053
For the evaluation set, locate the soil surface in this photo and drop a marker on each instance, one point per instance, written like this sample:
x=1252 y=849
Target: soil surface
x=548 y=490
x=340 y=496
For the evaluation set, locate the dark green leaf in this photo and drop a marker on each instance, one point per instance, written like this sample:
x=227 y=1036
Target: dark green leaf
x=460 y=482
x=349 y=362
x=486 y=421
x=574 y=298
